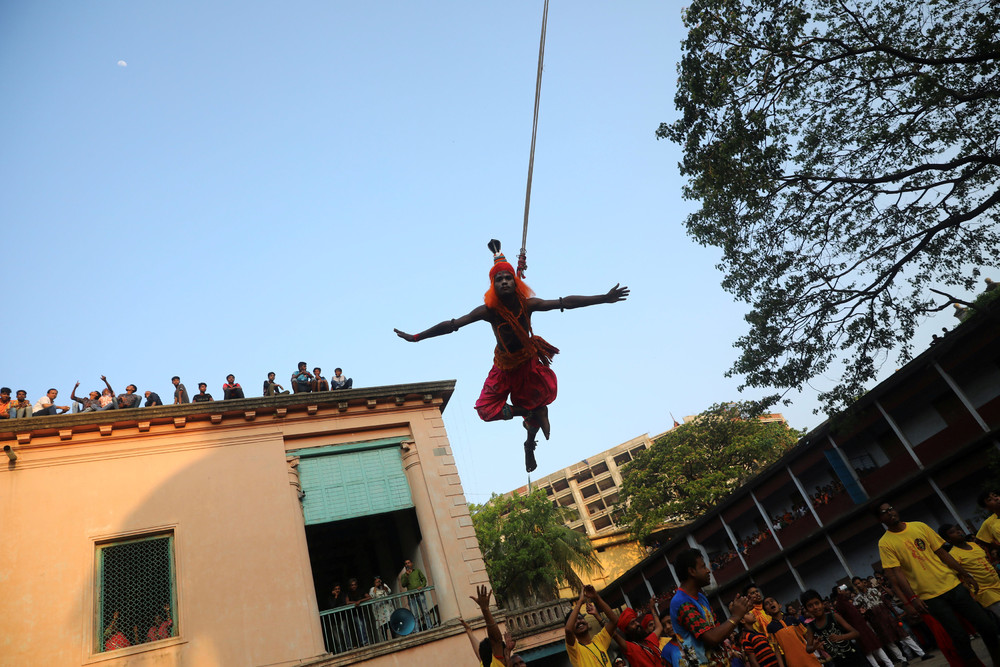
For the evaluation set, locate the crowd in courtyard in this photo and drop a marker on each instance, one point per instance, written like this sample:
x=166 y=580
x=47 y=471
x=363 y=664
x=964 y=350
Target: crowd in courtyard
x=936 y=589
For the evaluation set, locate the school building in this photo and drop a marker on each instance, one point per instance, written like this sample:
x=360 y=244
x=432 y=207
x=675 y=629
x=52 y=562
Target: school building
x=926 y=439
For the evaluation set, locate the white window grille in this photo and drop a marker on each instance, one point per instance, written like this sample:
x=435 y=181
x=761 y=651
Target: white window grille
x=136 y=592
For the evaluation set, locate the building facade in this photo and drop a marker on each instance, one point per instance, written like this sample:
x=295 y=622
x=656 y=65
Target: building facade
x=926 y=439
x=213 y=533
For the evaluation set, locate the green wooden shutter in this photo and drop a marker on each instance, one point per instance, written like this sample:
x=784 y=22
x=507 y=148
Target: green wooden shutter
x=350 y=484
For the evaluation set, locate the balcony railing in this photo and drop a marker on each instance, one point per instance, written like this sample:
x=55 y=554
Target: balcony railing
x=351 y=627
x=529 y=620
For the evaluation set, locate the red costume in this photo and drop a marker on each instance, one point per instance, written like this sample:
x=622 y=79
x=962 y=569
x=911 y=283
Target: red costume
x=521 y=359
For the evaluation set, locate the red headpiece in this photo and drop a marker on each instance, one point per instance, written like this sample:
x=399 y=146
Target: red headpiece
x=500 y=262
x=626 y=618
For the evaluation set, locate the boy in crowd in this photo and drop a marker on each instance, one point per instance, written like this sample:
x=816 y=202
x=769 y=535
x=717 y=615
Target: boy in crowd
x=318 y=382
x=20 y=407
x=831 y=632
x=339 y=381
x=301 y=379
x=755 y=645
x=5 y=402
x=89 y=404
x=152 y=398
x=231 y=389
x=973 y=558
x=180 y=393
x=202 y=396
x=582 y=649
x=272 y=388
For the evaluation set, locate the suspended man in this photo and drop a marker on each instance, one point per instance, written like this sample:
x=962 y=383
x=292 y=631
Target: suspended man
x=521 y=359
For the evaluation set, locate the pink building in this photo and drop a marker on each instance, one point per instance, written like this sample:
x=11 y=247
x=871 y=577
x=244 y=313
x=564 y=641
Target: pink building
x=213 y=533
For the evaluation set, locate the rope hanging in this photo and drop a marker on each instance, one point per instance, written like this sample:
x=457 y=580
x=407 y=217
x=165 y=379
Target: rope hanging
x=522 y=263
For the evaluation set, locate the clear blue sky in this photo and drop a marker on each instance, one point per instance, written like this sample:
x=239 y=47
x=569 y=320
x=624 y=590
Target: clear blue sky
x=199 y=188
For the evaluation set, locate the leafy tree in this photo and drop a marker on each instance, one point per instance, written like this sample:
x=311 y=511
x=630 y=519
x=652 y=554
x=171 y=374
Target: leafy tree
x=528 y=549
x=692 y=467
x=846 y=157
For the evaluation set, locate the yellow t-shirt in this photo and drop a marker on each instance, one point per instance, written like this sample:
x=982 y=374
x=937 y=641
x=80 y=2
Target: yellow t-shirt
x=976 y=564
x=496 y=662
x=989 y=532
x=594 y=654
x=912 y=550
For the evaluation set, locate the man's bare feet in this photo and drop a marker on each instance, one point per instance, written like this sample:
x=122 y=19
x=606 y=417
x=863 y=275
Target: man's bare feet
x=541 y=417
x=529 y=455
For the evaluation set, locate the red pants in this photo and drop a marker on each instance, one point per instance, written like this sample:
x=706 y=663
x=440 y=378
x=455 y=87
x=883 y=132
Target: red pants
x=531 y=385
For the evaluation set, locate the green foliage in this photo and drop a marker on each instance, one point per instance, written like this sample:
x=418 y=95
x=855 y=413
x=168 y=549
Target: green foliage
x=528 y=549
x=846 y=159
x=691 y=468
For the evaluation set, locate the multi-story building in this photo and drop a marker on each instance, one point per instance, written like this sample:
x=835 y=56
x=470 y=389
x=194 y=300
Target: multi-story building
x=213 y=533
x=925 y=439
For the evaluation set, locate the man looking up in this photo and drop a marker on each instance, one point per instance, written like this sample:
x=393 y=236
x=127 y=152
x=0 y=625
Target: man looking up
x=692 y=614
x=929 y=581
x=521 y=359
x=582 y=649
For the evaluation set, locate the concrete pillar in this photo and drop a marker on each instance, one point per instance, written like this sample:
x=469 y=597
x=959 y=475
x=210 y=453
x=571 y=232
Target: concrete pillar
x=732 y=538
x=899 y=434
x=805 y=496
x=767 y=520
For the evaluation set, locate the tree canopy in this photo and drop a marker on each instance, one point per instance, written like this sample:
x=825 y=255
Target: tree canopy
x=692 y=467
x=528 y=549
x=845 y=157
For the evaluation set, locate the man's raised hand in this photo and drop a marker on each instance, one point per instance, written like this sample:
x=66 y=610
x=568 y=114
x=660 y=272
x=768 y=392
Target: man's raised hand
x=482 y=597
x=617 y=293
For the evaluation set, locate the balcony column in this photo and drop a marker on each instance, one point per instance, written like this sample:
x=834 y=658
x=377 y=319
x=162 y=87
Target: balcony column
x=795 y=574
x=704 y=554
x=805 y=496
x=950 y=506
x=673 y=572
x=850 y=468
x=840 y=556
x=732 y=538
x=767 y=520
x=965 y=401
x=649 y=586
x=899 y=434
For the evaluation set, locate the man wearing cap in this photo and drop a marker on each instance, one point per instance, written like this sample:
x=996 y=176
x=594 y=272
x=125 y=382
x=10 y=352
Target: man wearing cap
x=641 y=649
x=521 y=359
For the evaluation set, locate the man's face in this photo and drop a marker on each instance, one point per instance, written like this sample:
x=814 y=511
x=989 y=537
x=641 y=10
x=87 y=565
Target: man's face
x=992 y=502
x=352 y=586
x=815 y=608
x=336 y=591
x=21 y=394
x=202 y=387
x=754 y=595
x=338 y=372
x=52 y=394
x=230 y=379
x=5 y=395
x=503 y=283
x=633 y=628
x=581 y=627
x=955 y=534
x=94 y=395
x=888 y=514
x=771 y=606
x=700 y=573
x=146 y=394
x=270 y=376
x=176 y=381
x=130 y=389
x=302 y=366
x=316 y=371
x=408 y=564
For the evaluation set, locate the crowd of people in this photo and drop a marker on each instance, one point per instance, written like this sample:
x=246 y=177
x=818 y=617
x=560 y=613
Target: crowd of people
x=117 y=634
x=823 y=495
x=355 y=624
x=19 y=407
x=935 y=590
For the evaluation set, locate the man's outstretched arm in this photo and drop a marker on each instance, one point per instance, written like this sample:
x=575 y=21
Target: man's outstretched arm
x=446 y=327
x=615 y=294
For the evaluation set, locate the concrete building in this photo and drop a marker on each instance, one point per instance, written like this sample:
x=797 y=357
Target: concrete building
x=212 y=533
x=925 y=439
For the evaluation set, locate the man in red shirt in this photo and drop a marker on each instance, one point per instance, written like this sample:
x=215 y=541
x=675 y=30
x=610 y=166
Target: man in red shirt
x=641 y=649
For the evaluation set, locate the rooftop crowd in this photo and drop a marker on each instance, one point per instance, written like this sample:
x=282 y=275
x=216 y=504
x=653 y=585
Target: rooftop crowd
x=19 y=407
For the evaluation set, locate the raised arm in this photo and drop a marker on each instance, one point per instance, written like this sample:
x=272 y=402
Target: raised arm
x=446 y=327
x=571 y=620
x=614 y=295
x=72 y=393
x=610 y=615
x=482 y=598
x=472 y=637
x=105 y=380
